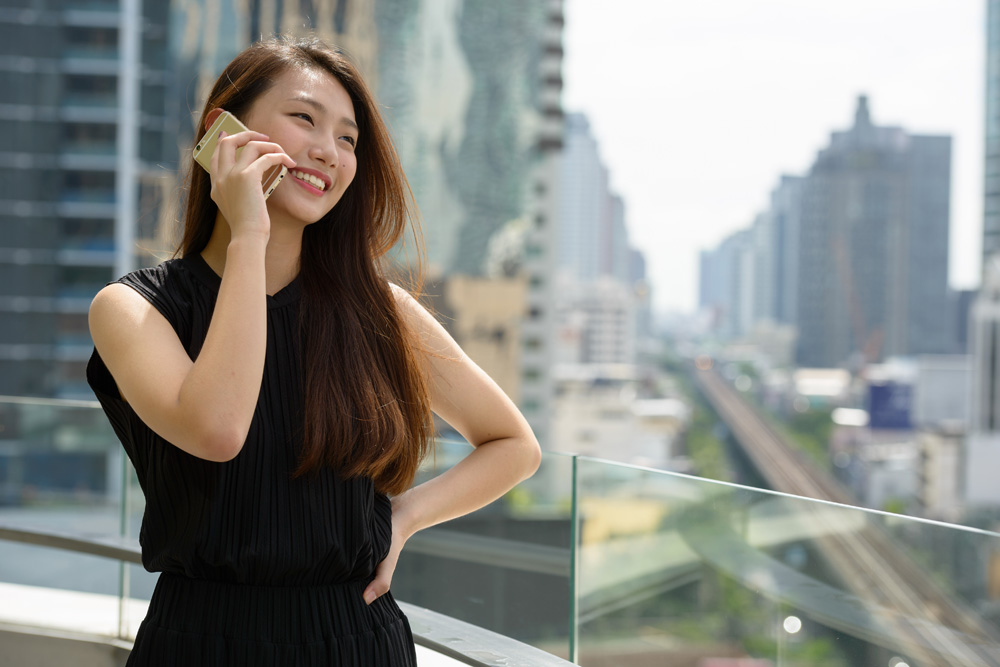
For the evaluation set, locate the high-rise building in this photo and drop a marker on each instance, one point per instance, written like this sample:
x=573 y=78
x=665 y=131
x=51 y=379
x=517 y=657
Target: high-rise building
x=982 y=451
x=854 y=255
x=84 y=143
x=765 y=267
x=991 y=181
x=985 y=334
x=873 y=246
x=616 y=256
x=538 y=340
x=467 y=86
x=786 y=209
x=584 y=203
x=727 y=279
x=982 y=454
x=961 y=308
x=597 y=321
x=472 y=92
x=603 y=293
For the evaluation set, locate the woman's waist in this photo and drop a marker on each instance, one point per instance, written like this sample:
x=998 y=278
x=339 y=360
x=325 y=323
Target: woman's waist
x=295 y=614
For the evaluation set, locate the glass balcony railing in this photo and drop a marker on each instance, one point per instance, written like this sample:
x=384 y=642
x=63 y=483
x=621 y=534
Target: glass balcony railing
x=602 y=563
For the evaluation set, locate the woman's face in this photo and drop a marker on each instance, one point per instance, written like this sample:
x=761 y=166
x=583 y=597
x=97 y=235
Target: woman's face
x=310 y=115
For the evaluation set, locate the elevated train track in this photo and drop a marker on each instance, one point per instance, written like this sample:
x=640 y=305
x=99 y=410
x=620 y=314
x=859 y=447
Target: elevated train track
x=931 y=625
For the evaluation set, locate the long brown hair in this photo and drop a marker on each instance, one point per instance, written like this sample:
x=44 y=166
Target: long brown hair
x=366 y=409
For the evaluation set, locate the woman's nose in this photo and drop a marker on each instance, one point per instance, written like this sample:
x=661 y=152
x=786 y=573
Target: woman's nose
x=324 y=151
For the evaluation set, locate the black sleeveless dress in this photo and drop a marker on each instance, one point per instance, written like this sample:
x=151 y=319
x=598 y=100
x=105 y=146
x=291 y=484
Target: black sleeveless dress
x=257 y=568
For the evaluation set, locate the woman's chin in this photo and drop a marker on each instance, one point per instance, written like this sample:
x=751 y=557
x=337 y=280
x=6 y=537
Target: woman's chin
x=294 y=216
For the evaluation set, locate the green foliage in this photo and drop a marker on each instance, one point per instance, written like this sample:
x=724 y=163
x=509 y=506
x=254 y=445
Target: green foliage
x=895 y=505
x=708 y=454
x=809 y=431
x=520 y=499
x=811 y=653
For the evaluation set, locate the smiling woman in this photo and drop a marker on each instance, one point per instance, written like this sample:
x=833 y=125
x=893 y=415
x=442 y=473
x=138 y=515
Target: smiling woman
x=274 y=390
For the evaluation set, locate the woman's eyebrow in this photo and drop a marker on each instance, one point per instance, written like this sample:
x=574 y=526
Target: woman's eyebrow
x=305 y=99
x=310 y=101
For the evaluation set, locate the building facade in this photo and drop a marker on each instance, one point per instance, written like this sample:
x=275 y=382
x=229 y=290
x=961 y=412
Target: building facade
x=84 y=141
x=873 y=251
x=786 y=210
x=584 y=197
x=854 y=255
x=991 y=173
x=728 y=284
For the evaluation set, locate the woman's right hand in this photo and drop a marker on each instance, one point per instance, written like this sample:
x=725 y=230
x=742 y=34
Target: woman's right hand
x=236 y=180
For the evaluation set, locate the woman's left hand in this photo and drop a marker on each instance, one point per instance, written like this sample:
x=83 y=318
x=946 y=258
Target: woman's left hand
x=383 y=572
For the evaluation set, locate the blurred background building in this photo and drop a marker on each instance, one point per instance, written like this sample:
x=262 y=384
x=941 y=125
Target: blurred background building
x=86 y=153
x=991 y=181
x=853 y=255
x=982 y=451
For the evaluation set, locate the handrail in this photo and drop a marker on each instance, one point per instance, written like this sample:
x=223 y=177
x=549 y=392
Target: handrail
x=445 y=635
x=493 y=551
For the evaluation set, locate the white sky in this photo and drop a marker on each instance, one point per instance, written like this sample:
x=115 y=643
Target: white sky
x=700 y=106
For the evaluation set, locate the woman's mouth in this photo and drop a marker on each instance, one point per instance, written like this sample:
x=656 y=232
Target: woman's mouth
x=313 y=182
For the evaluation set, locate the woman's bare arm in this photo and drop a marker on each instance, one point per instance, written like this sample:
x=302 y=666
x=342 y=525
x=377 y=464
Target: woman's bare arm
x=204 y=406
x=505 y=450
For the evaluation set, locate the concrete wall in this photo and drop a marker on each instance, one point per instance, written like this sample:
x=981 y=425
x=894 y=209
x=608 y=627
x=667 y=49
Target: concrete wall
x=26 y=647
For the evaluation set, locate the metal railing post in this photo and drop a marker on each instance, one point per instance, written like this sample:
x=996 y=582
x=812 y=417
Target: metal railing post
x=574 y=566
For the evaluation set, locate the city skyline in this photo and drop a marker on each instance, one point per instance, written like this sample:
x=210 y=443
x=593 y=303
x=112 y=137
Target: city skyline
x=742 y=112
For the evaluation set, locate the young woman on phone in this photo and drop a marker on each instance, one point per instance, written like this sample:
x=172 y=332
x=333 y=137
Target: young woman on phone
x=274 y=390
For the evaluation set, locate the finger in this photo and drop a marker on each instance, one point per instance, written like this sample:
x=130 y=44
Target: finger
x=269 y=160
x=379 y=586
x=214 y=162
x=257 y=149
x=228 y=144
x=375 y=590
x=245 y=137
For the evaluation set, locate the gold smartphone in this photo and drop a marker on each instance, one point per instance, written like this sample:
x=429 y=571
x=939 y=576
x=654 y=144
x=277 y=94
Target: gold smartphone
x=231 y=125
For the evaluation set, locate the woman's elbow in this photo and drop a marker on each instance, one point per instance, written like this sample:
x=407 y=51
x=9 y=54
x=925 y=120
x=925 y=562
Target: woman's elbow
x=532 y=456
x=220 y=444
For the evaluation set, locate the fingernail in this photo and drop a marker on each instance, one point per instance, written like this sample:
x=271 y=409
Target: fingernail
x=370 y=597
x=222 y=133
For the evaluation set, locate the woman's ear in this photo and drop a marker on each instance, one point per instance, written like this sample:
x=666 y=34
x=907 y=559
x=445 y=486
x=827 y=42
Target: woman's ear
x=210 y=118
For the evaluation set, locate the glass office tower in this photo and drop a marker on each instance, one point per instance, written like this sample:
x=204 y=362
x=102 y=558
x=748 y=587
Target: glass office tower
x=82 y=144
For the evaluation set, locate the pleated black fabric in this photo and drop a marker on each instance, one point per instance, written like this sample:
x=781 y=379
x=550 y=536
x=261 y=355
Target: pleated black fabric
x=258 y=568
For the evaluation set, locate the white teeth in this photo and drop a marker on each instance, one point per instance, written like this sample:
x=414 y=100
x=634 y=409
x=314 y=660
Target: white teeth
x=310 y=179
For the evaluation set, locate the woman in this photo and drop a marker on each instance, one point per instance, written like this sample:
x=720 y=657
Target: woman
x=273 y=389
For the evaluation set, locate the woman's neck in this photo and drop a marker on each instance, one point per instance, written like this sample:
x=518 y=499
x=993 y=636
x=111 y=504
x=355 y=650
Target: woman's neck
x=281 y=259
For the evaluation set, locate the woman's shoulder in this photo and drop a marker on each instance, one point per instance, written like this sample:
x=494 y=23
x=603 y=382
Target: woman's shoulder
x=176 y=288
x=407 y=305
x=178 y=282
x=173 y=275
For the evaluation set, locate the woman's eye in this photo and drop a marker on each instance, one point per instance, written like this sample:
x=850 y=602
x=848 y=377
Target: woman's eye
x=351 y=140
x=304 y=116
